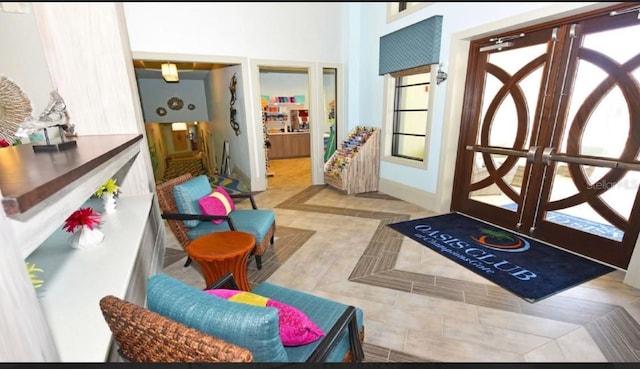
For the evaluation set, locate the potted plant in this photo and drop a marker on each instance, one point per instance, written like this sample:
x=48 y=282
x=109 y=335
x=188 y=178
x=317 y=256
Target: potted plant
x=82 y=223
x=108 y=192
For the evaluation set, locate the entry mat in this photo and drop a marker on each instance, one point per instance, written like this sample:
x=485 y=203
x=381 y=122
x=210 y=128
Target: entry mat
x=585 y=225
x=527 y=268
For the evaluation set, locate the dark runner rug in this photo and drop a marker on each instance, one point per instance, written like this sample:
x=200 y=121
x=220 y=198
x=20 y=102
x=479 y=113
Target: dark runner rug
x=178 y=167
x=527 y=268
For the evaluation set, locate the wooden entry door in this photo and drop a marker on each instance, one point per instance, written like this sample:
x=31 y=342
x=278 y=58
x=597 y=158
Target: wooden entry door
x=550 y=140
x=180 y=140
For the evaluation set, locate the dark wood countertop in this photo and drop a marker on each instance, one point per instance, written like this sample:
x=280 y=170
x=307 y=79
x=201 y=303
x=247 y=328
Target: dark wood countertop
x=28 y=178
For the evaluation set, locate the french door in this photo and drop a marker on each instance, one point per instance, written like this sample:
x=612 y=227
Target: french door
x=550 y=136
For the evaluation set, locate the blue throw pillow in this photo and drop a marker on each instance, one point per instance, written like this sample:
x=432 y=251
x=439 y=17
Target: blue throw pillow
x=253 y=327
x=188 y=194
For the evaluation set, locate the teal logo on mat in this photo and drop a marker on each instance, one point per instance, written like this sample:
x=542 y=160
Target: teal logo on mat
x=500 y=240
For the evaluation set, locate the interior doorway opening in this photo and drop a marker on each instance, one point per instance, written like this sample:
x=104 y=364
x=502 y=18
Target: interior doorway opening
x=285 y=100
x=301 y=110
x=184 y=122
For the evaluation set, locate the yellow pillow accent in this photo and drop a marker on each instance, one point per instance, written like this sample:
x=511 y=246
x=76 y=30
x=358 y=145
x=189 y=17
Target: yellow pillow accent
x=249 y=298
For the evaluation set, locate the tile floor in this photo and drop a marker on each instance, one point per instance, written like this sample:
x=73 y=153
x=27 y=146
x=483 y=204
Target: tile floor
x=337 y=246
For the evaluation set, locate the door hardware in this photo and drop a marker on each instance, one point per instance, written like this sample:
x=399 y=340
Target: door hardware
x=547 y=154
x=532 y=153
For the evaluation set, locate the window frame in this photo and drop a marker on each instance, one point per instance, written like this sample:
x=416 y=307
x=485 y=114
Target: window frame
x=390 y=87
x=394 y=13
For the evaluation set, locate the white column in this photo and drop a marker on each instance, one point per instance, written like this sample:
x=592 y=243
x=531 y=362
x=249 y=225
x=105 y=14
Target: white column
x=632 y=278
x=24 y=333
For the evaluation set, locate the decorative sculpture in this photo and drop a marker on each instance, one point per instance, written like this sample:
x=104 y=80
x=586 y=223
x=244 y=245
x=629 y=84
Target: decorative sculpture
x=54 y=115
x=232 y=110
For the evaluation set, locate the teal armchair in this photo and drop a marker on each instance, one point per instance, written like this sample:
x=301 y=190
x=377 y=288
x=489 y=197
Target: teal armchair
x=178 y=200
x=184 y=324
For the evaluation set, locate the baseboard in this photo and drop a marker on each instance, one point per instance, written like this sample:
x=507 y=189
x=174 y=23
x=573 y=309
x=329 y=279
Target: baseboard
x=427 y=200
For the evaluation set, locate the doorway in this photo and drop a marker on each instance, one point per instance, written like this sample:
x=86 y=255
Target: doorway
x=184 y=149
x=549 y=145
x=285 y=97
x=323 y=105
x=179 y=138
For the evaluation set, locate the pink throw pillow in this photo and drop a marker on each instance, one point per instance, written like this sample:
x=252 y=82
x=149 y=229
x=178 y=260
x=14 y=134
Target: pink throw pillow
x=217 y=202
x=296 y=328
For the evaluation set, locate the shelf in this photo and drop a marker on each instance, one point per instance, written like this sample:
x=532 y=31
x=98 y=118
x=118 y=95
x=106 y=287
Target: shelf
x=288 y=104
x=45 y=173
x=355 y=166
x=76 y=280
x=43 y=193
x=289 y=133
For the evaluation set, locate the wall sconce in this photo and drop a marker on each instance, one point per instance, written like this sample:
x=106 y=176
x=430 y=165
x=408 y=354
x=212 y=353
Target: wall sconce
x=170 y=72
x=441 y=75
x=180 y=126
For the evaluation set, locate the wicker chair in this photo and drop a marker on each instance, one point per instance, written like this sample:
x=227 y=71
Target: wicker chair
x=175 y=219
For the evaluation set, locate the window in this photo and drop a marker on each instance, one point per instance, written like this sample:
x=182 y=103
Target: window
x=406 y=59
x=404 y=5
x=410 y=113
x=396 y=10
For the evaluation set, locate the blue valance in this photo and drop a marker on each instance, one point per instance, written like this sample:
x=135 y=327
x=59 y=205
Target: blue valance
x=412 y=46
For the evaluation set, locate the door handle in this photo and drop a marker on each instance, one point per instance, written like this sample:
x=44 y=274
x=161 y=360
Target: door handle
x=549 y=155
x=497 y=150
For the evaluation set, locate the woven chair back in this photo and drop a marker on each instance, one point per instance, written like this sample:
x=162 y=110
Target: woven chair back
x=167 y=203
x=145 y=336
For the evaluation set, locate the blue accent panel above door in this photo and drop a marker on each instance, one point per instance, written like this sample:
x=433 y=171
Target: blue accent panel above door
x=411 y=46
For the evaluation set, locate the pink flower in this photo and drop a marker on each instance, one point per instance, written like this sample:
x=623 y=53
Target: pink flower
x=82 y=217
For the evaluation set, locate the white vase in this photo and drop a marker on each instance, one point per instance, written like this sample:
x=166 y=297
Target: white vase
x=109 y=201
x=86 y=238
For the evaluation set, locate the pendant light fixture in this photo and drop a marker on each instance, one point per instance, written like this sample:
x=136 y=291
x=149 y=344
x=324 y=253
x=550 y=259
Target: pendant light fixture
x=179 y=126
x=169 y=72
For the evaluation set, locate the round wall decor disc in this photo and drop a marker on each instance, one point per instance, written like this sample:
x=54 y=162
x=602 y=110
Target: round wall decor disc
x=175 y=103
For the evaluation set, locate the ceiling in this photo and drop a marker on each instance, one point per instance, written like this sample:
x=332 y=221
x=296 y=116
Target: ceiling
x=186 y=70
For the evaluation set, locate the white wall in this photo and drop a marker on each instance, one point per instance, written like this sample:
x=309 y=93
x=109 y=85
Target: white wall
x=23 y=60
x=281 y=31
x=239 y=153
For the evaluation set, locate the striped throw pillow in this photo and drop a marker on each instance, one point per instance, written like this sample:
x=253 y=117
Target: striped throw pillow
x=217 y=202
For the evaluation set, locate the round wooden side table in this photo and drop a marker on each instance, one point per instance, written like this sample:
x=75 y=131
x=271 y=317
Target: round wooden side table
x=219 y=253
